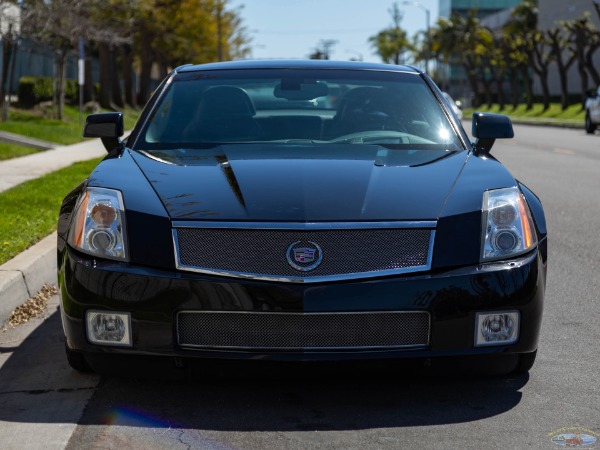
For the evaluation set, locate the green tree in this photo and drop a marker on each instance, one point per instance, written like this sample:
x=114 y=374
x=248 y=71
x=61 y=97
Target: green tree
x=392 y=43
x=499 y=65
x=60 y=24
x=521 y=30
x=323 y=50
x=464 y=41
x=542 y=58
x=136 y=33
x=583 y=41
x=559 y=42
x=9 y=19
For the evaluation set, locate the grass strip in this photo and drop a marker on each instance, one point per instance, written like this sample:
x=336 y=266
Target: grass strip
x=67 y=131
x=9 y=151
x=29 y=211
x=573 y=115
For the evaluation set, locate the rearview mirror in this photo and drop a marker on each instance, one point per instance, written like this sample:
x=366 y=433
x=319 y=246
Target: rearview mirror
x=295 y=89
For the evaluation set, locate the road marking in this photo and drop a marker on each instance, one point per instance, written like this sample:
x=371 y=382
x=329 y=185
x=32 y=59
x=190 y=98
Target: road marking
x=564 y=151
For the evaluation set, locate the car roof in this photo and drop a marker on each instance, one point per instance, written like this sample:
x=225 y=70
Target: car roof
x=296 y=64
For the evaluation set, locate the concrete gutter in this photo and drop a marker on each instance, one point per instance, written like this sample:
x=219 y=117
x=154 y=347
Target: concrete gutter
x=24 y=275
x=25 y=141
x=546 y=122
x=557 y=123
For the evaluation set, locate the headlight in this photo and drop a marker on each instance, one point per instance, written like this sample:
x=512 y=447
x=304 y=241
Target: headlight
x=507 y=227
x=99 y=224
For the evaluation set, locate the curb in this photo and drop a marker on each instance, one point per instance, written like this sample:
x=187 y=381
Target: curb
x=535 y=122
x=24 y=275
x=574 y=126
x=26 y=141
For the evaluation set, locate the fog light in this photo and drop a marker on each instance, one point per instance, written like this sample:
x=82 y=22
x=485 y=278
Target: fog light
x=497 y=328
x=109 y=328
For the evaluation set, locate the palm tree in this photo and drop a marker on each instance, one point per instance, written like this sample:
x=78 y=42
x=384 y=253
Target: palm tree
x=464 y=41
x=391 y=43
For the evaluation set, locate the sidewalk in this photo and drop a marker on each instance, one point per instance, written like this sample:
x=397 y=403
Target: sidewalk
x=24 y=275
x=18 y=170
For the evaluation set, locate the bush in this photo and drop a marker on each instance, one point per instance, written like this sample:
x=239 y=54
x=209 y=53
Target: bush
x=33 y=90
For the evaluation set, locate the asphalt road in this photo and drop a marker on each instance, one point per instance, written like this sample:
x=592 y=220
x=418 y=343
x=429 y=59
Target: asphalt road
x=45 y=404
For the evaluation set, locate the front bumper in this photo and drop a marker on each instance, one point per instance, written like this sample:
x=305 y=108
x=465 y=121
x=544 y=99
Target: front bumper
x=154 y=297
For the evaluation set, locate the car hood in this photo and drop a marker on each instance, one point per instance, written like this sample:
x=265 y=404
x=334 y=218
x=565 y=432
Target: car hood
x=301 y=183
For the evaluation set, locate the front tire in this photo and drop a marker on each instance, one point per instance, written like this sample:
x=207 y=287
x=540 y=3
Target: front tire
x=590 y=126
x=526 y=361
x=77 y=361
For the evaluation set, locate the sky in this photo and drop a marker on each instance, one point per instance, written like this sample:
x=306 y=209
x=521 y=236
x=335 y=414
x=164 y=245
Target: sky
x=293 y=28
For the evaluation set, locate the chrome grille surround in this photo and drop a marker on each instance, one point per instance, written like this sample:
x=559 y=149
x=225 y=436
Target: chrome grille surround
x=303 y=331
x=259 y=250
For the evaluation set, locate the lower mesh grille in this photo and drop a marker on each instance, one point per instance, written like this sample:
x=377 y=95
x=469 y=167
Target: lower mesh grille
x=303 y=331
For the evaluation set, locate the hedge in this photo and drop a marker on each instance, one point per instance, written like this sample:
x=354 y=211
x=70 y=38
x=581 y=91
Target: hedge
x=33 y=90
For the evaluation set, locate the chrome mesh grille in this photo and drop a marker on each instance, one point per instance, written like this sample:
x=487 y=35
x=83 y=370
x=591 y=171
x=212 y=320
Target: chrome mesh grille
x=302 y=331
x=346 y=253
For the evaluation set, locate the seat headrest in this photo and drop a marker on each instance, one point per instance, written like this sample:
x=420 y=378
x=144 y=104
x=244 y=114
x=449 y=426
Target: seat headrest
x=222 y=101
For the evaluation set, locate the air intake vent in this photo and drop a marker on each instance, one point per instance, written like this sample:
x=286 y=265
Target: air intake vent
x=303 y=331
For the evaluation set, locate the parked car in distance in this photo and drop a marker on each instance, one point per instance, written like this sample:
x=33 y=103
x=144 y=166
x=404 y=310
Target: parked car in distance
x=592 y=111
x=456 y=105
x=300 y=211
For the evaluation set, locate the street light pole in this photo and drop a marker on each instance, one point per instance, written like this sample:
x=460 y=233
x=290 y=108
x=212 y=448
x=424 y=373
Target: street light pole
x=427 y=36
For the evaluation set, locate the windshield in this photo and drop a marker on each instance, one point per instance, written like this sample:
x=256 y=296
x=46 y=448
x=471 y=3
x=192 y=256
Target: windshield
x=390 y=109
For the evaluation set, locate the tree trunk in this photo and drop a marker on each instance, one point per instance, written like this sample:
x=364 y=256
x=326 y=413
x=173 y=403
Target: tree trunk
x=128 y=75
x=589 y=64
x=563 y=67
x=146 y=69
x=6 y=54
x=163 y=70
x=105 y=77
x=584 y=81
x=540 y=65
x=528 y=88
x=564 y=95
x=486 y=91
x=472 y=78
x=62 y=68
x=88 y=87
x=500 y=88
x=11 y=75
x=115 y=82
x=55 y=88
x=514 y=89
x=545 y=88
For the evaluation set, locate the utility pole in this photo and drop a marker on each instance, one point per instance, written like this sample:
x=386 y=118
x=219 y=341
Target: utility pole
x=220 y=30
x=427 y=31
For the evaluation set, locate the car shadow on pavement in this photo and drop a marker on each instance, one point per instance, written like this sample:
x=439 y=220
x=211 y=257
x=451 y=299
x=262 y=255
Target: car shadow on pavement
x=37 y=374
x=36 y=383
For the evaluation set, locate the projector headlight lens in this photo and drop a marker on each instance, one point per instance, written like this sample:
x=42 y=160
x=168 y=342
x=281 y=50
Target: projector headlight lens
x=99 y=224
x=507 y=226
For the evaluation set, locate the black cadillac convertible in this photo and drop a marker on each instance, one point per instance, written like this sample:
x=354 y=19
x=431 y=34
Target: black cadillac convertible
x=300 y=211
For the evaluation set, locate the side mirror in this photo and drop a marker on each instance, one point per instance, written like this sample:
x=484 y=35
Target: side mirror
x=107 y=126
x=488 y=127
